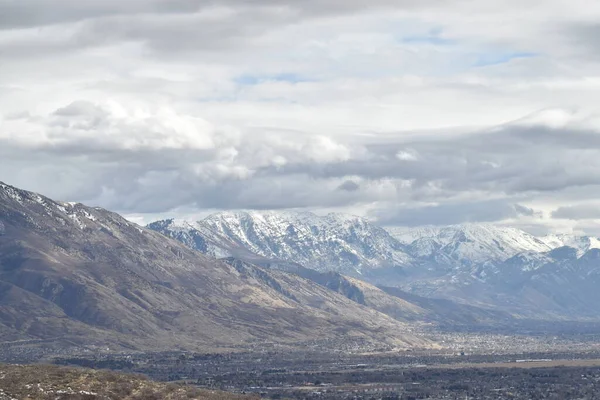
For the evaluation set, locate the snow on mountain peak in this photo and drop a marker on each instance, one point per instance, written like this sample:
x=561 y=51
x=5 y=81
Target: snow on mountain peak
x=582 y=244
x=351 y=244
x=337 y=242
x=470 y=243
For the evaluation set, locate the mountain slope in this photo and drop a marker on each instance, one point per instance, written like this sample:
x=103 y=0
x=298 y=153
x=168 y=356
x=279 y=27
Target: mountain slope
x=88 y=275
x=556 y=285
x=393 y=302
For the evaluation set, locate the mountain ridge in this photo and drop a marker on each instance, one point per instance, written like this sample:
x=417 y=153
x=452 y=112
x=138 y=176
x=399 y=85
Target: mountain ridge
x=481 y=264
x=229 y=233
x=93 y=278
x=349 y=245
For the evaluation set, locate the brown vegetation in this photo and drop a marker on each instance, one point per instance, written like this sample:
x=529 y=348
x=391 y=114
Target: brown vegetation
x=41 y=382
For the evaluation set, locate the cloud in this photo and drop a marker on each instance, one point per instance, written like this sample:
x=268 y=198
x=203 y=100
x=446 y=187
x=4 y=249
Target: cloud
x=86 y=127
x=591 y=228
x=132 y=156
x=409 y=111
x=41 y=13
x=578 y=212
x=448 y=214
x=349 y=186
x=527 y=211
x=583 y=37
x=122 y=158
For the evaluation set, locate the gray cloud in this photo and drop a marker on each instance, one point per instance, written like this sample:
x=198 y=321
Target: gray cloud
x=590 y=228
x=584 y=37
x=16 y=14
x=156 y=181
x=527 y=211
x=349 y=186
x=510 y=160
x=578 y=212
x=130 y=163
x=448 y=214
x=162 y=25
x=19 y=14
x=145 y=106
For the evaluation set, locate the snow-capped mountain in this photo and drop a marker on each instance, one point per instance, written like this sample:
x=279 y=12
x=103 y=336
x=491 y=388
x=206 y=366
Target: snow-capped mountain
x=188 y=234
x=334 y=242
x=583 y=244
x=486 y=265
x=354 y=246
x=470 y=244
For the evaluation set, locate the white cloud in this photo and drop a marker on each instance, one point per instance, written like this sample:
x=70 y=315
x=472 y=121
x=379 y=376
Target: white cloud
x=407 y=155
x=364 y=106
x=92 y=126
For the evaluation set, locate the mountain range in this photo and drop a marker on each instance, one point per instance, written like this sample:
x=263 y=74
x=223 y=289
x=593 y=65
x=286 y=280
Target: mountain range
x=496 y=268
x=86 y=276
x=340 y=243
x=75 y=275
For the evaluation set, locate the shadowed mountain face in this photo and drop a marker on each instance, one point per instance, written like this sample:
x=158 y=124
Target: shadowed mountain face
x=400 y=305
x=89 y=276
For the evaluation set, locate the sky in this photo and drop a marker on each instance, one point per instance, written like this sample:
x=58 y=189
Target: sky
x=407 y=112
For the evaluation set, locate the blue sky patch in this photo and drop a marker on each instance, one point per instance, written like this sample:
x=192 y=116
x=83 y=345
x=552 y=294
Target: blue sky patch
x=488 y=59
x=250 y=80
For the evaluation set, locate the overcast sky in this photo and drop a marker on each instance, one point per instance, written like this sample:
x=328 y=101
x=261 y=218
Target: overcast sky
x=409 y=112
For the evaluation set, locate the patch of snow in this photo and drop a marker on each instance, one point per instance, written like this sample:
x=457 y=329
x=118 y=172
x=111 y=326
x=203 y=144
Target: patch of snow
x=470 y=243
x=343 y=243
x=76 y=219
x=581 y=243
x=88 y=215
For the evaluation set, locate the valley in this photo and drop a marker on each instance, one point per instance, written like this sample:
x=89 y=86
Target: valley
x=309 y=199
x=408 y=375
x=284 y=305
